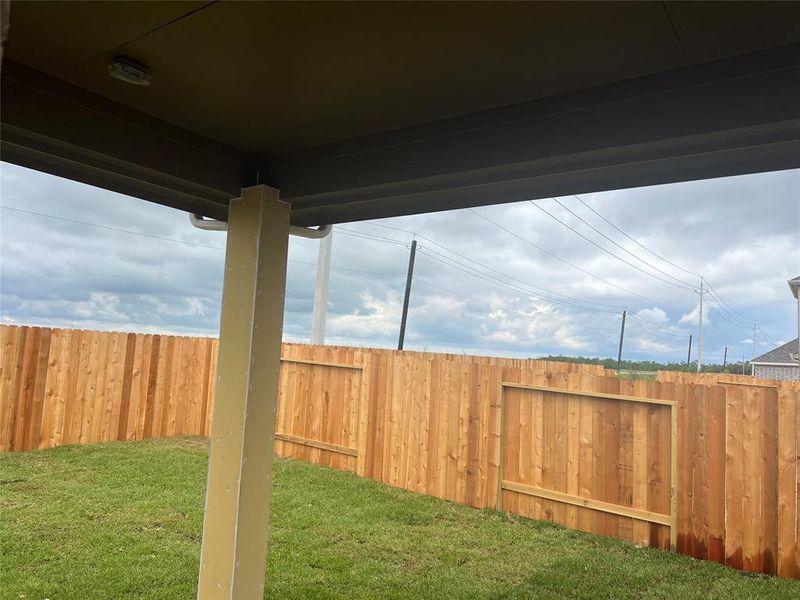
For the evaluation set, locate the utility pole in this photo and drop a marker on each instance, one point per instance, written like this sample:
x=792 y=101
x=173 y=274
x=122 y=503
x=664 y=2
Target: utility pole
x=755 y=333
x=689 y=356
x=725 y=359
x=621 y=337
x=321 y=291
x=409 y=277
x=700 y=333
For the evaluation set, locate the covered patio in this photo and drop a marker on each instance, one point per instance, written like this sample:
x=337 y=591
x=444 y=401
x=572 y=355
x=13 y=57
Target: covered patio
x=281 y=117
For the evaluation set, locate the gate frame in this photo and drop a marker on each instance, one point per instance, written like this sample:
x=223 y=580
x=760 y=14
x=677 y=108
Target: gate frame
x=319 y=444
x=670 y=520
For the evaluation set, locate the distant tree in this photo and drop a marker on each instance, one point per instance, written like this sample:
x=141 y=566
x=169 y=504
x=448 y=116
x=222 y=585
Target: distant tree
x=650 y=365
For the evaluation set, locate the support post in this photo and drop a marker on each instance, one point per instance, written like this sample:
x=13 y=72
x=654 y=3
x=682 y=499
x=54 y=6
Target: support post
x=409 y=279
x=725 y=358
x=234 y=550
x=621 y=337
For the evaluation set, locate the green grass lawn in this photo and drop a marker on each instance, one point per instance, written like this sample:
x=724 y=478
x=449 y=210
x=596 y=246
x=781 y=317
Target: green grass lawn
x=123 y=520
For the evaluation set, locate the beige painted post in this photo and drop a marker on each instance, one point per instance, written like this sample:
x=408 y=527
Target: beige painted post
x=234 y=550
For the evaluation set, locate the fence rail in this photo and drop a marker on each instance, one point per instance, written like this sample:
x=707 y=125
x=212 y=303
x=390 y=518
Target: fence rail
x=725 y=379
x=625 y=455
x=708 y=468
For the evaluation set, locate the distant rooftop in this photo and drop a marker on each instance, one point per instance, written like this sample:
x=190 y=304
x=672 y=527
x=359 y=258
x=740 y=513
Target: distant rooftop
x=785 y=354
x=794 y=284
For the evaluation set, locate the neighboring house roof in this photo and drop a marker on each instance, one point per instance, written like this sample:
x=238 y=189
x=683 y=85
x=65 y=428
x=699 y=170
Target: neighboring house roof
x=785 y=355
x=794 y=285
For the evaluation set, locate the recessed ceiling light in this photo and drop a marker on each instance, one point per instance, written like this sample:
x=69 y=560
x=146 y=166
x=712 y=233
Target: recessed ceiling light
x=129 y=70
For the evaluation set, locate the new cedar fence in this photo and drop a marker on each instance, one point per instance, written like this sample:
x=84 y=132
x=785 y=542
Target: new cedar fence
x=724 y=379
x=685 y=462
x=69 y=386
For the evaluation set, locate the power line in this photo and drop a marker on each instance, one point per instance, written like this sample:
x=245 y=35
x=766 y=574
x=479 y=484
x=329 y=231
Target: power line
x=470 y=270
x=619 y=258
x=357 y=234
x=730 y=308
x=724 y=305
x=471 y=261
x=634 y=240
x=739 y=328
x=508 y=286
x=676 y=282
x=516 y=279
x=465 y=268
x=728 y=305
x=620 y=246
x=470 y=298
x=725 y=309
x=109 y=228
x=654 y=327
x=582 y=270
x=493 y=306
x=769 y=339
x=637 y=319
x=531 y=243
x=369 y=236
x=737 y=325
x=727 y=315
x=335 y=268
x=714 y=325
x=177 y=241
x=724 y=318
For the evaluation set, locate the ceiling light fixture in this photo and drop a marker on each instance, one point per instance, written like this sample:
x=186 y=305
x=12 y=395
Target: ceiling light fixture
x=130 y=71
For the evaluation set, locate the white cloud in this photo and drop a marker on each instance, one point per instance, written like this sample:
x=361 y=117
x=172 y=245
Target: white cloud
x=655 y=315
x=693 y=316
x=649 y=344
x=377 y=317
x=101 y=305
x=742 y=233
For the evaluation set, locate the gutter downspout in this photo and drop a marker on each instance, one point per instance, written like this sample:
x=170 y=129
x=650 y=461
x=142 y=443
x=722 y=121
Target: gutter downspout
x=206 y=224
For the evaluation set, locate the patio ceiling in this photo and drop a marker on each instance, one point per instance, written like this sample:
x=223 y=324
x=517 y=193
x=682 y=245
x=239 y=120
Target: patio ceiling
x=358 y=110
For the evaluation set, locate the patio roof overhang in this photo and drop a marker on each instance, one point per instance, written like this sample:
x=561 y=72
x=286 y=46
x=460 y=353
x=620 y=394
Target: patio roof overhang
x=318 y=113
x=374 y=110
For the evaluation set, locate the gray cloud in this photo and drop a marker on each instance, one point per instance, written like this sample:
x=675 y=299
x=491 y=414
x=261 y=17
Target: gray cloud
x=477 y=287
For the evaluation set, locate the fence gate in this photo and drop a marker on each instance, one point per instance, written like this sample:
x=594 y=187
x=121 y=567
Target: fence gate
x=599 y=462
x=317 y=412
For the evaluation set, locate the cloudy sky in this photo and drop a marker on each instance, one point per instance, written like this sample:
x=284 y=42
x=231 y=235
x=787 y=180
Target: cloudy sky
x=519 y=279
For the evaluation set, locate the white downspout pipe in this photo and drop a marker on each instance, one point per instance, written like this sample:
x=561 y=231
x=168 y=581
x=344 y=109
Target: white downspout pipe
x=202 y=222
x=321 y=292
x=794 y=285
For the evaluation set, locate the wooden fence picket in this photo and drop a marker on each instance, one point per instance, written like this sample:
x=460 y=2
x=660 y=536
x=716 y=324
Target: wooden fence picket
x=709 y=464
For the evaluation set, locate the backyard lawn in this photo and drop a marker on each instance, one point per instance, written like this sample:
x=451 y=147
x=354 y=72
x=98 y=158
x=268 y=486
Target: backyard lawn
x=124 y=520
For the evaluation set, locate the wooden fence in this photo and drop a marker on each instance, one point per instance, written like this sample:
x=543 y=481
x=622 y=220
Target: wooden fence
x=710 y=470
x=69 y=386
x=725 y=379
